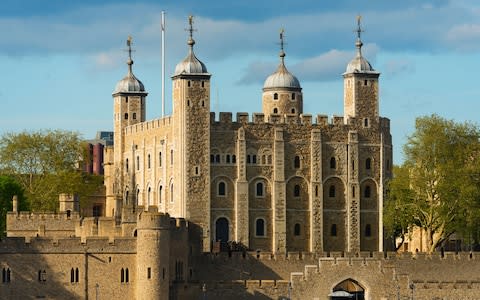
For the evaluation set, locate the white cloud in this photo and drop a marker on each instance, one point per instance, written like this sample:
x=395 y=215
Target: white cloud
x=464 y=37
x=397 y=66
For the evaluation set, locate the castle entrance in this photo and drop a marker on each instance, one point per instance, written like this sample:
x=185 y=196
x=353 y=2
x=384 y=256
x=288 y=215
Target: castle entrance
x=348 y=290
x=221 y=230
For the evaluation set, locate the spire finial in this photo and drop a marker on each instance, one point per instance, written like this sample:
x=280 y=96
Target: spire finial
x=282 y=43
x=359 y=31
x=191 y=41
x=129 y=61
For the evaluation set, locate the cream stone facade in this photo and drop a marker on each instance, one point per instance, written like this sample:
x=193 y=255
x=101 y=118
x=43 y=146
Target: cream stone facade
x=277 y=205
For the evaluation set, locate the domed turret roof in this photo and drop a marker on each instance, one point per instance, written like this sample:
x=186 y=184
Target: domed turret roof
x=359 y=64
x=129 y=83
x=190 y=64
x=282 y=78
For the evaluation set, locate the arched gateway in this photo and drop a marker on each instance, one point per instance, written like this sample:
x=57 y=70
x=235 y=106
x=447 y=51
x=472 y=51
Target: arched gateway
x=348 y=289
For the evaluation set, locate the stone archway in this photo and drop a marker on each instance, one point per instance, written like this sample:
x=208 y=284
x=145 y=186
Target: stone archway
x=221 y=230
x=348 y=289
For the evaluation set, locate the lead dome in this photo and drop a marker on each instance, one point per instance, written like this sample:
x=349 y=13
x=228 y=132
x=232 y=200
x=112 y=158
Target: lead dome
x=282 y=78
x=130 y=83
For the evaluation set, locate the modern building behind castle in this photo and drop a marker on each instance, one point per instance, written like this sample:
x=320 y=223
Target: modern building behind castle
x=301 y=196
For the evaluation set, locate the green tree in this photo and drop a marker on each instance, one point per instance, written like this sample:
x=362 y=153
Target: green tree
x=45 y=164
x=8 y=188
x=437 y=188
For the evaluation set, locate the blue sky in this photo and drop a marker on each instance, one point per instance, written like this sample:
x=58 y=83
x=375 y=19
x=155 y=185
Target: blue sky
x=61 y=59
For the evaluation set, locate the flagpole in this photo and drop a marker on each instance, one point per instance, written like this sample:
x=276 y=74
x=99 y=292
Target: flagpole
x=163 y=63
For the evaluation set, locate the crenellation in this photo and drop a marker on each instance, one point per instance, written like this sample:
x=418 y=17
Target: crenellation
x=242 y=118
x=306 y=119
x=225 y=117
x=258 y=118
x=322 y=120
x=337 y=121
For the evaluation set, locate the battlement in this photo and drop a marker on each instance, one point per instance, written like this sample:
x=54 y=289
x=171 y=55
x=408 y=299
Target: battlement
x=43 y=216
x=152 y=219
x=149 y=125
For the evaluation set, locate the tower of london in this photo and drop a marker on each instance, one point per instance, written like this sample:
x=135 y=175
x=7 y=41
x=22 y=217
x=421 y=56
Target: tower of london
x=280 y=204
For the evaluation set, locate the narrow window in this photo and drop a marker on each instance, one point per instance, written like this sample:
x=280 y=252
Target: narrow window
x=163 y=273
x=77 y=275
x=293 y=96
x=293 y=110
x=234 y=159
x=260 y=227
x=138 y=162
x=221 y=188
x=331 y=191
x=254 y=159
x=196 y=170
x=275 y=96
x=353 y=191
x=171 y=193
x=264 y=160
x=188 y=102
x=269 y=159
x=134 y=116
x=368 y=230
x=212 y=158
x=296 y=191
x=160 y=194
x=333 y=230
x=388 y=165
x=275 y=110
x=259 y=188
x=148 y=195
x=188 y=84
x=149 y=273
x=316 y=191
x=333 y=163
x=296 y=162
x=126 y=275
x=365 y=122
x=126 y=116
x=365 y=82
x=217 y=158
x=368 y=164
x=159 y=159
x=126 y=99
x=367 y=192
x=203 y=83
x=203 y=103
x=171 y=157
x=122 y=275
x=72 y=276
x=148 y=161
x=126 y=165
x=353 y=164
x=296 y=229
x=227 y=158
x=248 y=159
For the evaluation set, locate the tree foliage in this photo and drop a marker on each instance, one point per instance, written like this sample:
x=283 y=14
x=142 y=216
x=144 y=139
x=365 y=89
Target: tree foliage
x=45 y=164
x=437 y=188
x=8 y=188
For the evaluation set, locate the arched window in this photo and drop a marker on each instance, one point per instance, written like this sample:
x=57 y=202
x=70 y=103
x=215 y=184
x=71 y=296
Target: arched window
x=148 y=161
x=160 y=194
x=296 y=162
x=134 y=116
x=77 y=275
x=159 y=159
x=275 y=110
x=72 y=276
x=171 y=193
x=367 y=192
x=217 y=158
x=221 y=188
x=333 y=163
x=138 y=162
x=331 y=191
x=368 y=230
x=127 y=279
x=122 y=275
x=293 y=96
x=275 y=96
x=234 y=159
x=260 y=227
x=254 y=159
x=227 y=158
x=333 y=230
x=126 y=165
x=149 y=191
x=259 y=189
x=296 y=190
x=296 y=229
x=212 y=158
x=248 y=159
x=293 y=110
x=126 y=116
x=368 y=164
x=365 y=122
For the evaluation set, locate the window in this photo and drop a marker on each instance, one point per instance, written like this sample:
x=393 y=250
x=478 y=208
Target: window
x=316 y=191
x=227 y=158
x=160 y=194
x=275 y=96
x=42 y=275
x=212 y=158
x=171 y=157
x=171 y=193
x=126 y=99
x=203 y=103
x=179 y=270
x=6 y=275
x=353 y=164
x=134 y=116
x=149 y=273
x=149 y=192
x=159 y=159
x=368 y=163
x=126 y=165
x=234 y=159
x=197 y=170
x=331 y=191
x=353 y=191
x=126 y=275
x=388 y=165
x=269 y=159
x=293 y=96
x=138 y=162
x=126 y=116
x=365 y=122
x=260 y=227
x=333 y=163
x=259 y=189
x=264 y=160
x=188 y=102
x=365 y=82
x=97 y=210
x=293 y=110
x=74 y=275
x=296 y=162
x=254 y=159
x=368 y=230
x=148 y=161
x=296 y=230
x=188 y=83
x=296 y=191
x=248 y=159
x=221 y=189
x=217 y=158
x=275 y=110
x=203 y=83
x=367 y=192
x=333 y=230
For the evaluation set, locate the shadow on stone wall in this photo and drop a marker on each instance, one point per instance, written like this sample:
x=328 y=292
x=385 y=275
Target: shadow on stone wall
x=33 y=276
